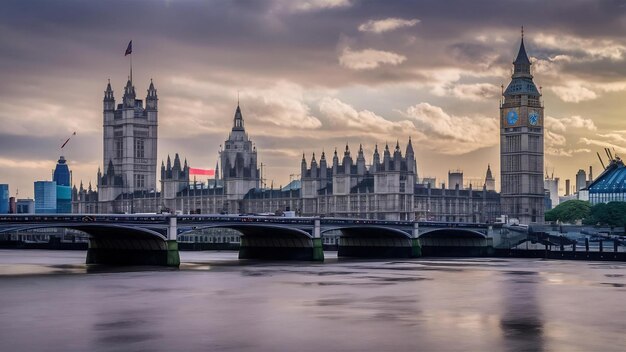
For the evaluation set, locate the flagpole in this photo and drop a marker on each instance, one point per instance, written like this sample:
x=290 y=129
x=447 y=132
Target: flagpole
x=131 y=68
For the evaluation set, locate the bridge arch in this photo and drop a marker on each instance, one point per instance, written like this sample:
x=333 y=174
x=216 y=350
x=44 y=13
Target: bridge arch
x=115 y=244
x=455 y=242
x=270 y=241
x=372 y=241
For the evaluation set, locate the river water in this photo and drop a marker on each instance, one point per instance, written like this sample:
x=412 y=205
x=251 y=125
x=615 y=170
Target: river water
x=50 y=301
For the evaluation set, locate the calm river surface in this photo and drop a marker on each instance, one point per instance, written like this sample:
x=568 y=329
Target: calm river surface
x=50 y=301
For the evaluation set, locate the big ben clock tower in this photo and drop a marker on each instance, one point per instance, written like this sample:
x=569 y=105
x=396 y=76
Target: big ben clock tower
x=521 y=145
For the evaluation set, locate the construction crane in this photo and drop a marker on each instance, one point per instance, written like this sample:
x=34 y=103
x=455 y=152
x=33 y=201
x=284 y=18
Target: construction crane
x=601 y=162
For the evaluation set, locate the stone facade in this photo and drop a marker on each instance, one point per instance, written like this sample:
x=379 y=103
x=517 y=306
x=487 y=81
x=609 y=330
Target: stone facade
x=385 y=189
x=130 y=144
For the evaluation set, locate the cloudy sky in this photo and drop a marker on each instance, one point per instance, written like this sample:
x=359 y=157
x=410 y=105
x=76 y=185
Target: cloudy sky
x=312 y=75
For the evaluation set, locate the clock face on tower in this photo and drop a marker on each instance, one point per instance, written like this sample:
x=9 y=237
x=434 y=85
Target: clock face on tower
x=533 y=118
x=511 y=117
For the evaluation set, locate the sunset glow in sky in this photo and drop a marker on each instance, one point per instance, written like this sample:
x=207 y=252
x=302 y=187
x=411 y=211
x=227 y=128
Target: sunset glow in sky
x=311 y=76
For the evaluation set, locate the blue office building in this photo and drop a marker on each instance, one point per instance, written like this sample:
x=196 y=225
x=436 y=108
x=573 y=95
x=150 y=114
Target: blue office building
x=62 y=177
x=62 y=173
x=4 y=198
x=45 y=197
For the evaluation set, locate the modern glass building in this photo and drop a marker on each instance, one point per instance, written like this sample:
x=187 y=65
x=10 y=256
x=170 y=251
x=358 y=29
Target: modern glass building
x=62 y=173
x=25 y=206
x=610 y=186
x=45 y=197
x=4 y=198
x=64 y=192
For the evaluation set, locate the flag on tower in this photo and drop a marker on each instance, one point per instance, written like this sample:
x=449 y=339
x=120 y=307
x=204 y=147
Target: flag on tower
x=129 y=49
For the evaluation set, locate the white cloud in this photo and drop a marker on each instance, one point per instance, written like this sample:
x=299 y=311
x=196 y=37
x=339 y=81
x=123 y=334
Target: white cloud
x=603 y=144
x=281 y=105
x=340 y=114
x=554 y=124
x=445 y=83
x=574 y=92
x=387 y=24
x=314 y=5
x=614 y=137
x=592 y=49
x=368 y=59
x=470 y=92
x=561 y=124
x=451 y=134
x=553 y=139
x=566 y=152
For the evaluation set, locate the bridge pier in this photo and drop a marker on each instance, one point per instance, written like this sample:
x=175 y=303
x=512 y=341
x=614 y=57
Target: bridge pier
x=112 y=246
x=416 y=248
x=173 y=257
x=318 y=250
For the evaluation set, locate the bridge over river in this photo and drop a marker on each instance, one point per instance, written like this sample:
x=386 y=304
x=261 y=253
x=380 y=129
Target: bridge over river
x=152 y=239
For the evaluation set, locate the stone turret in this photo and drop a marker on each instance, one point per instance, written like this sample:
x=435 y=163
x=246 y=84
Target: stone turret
x=347 y=161
x=397 y=157
x=490 y=182
x=152 y=99
x=335 y=163
x=386 y=158
x=109 y=100
x=360 y=162
x=375 y=160
x=323 y=168
x=314 y=170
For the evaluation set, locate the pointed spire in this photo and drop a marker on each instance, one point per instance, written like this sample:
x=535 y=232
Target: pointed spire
x=169 y=163
x=129 y=86
x=323 y=157
x=129 y=95
x=409 y=148
x=313 y=158
x=521 y=65
x=110 y=168
x=177 y=162
x=522 y=57
x=109 y=100
x=238 y=119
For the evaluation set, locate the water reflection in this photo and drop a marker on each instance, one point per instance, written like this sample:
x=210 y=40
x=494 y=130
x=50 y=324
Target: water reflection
x=217 y=303
x=521 y=320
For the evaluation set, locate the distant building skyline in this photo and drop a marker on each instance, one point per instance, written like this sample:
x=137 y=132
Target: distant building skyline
x=313 y=75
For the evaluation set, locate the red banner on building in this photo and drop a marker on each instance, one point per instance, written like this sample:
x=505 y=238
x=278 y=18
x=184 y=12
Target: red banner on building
x=202 y=172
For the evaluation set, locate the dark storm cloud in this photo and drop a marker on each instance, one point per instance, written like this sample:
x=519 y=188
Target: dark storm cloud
x=55 y=58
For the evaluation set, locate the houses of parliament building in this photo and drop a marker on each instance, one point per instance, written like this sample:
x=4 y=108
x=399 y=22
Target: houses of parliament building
x=344 y=184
